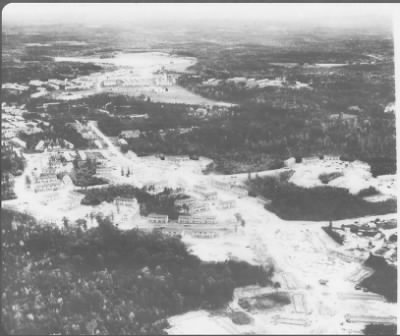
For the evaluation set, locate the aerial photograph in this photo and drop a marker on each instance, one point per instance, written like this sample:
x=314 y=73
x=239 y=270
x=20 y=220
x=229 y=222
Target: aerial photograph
x=187 y=168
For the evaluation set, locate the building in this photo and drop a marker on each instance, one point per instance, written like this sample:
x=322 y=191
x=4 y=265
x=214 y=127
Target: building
x=125 y=201
x=290 y=162
x=172 y=232
x=68 y=157
x=55 y=161
x=311 y=159
x=199 y=188
x=390 y=108
x=185 y=201
x=126 y=204
x=104 y=170
x=208 y=195
x=35 y=83
x=46 y=182
x=98 y=157
x=209 y=233
x=229 y=204
x=40 y=146
x=111 y=82
x=344 y=118
x=14 y=87
x=240 y=191
x=186 y=219
x=82 y=155
x=199 y=207
x=158 y=219
x=131 y=134
x=67 y=180
x=18 y=142
x=122 y=142
x=332 y=157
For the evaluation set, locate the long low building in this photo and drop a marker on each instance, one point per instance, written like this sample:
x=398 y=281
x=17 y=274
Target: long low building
x=203 y=231
x=158 y=219
x=186 y=219
x=229 y=204
x=46 y=183
x=125 y=201
x=185 y=201
x=198 y=208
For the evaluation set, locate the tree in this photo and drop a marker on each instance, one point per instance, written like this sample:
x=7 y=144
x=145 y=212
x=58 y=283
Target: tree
x=27 y=181
x=82 y=223
x=65 y=222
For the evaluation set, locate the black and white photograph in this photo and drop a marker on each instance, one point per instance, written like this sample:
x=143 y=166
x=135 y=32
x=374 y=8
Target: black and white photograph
x=199 y=168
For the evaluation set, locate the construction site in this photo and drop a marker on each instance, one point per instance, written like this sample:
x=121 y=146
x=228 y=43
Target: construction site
x=218 y=222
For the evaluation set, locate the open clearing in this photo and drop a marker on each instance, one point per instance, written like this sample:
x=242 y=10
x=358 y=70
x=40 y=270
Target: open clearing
x=151 y=75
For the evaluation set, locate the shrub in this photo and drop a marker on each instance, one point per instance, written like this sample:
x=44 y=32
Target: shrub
x=325 y=178
x=370 y=191
x=380 y=329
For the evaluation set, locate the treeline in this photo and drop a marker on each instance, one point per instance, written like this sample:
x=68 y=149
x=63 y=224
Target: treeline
x=255 y=130
x=384 y=280
x=382 y=165
x=161 y=203
x=292 y=202
x=106 y=281
x=45 y=69
x=380 y=329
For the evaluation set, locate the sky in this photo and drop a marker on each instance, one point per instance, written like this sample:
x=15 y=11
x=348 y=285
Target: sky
x=108 y=13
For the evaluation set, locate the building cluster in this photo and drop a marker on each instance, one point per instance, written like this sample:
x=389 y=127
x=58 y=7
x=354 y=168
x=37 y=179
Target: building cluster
x=14 y=88
x=50 y=145
x=377 y=237
x=195 y=218
x=13 y=122
x=42 y=87
x=228 y=204
x=45 y=181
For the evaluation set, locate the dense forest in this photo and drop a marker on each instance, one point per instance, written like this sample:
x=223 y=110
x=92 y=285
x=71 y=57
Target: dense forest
x=380 y=329
x=384 y=280
x=106 y=281
x=257 y=136
x=325 y=203
x=11 y=165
